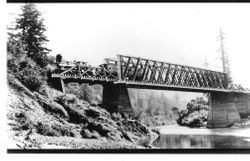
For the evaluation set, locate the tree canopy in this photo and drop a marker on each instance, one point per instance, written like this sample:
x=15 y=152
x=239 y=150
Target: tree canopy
x=26 y=55
x=30 y=31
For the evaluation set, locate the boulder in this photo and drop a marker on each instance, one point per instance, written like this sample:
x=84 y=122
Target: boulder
x=51 y=106
x=85 y=133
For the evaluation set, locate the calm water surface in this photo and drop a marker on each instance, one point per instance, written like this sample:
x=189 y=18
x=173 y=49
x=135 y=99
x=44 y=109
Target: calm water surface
x=203 y=140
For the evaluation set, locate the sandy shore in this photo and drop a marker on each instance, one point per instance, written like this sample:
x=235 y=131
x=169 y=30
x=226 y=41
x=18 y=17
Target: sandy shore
x=181 y=130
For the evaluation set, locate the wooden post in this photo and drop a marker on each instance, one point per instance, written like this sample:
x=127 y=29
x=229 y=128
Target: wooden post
x=62 y=86
x=119 y=67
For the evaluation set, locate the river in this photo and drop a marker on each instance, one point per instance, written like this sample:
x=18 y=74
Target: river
x=179 y=137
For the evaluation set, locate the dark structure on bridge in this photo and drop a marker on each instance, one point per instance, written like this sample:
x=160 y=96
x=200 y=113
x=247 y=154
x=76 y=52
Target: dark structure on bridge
x=229 y=103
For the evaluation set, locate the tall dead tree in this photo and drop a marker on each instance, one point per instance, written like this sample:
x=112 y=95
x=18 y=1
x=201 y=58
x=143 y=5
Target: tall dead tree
x=224 y=57
x=206 y=64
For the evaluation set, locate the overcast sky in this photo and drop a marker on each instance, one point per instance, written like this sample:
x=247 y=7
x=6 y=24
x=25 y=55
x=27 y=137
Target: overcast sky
x=171 y=32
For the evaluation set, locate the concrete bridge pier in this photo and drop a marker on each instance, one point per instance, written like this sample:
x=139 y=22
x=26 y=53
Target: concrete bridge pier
x=227 y=109
x=116 y=98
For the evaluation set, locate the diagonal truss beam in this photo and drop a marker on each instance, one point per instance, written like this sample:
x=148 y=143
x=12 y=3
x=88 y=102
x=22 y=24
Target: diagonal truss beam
x=170 y=74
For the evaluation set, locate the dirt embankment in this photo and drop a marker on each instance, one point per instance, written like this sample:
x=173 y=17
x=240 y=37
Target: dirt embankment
x=51 y=119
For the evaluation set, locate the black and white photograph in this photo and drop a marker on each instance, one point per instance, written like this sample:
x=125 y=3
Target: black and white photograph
x=128 y=77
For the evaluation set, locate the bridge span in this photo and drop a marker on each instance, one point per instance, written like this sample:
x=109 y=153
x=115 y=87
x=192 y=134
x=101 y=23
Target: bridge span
x=229 y=102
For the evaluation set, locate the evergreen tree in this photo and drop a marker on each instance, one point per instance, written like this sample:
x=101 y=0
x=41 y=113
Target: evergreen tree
x=86 y=93
x=165 y=103
x=26 y=56
x=141 y=96
x=176 y=99
x=15 y=53
x=151 y=104
x=30 y=31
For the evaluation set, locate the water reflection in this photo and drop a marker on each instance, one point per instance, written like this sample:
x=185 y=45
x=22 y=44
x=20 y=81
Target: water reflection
x=201 y=141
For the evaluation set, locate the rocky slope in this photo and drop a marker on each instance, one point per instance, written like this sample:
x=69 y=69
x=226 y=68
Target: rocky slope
x=51 y=119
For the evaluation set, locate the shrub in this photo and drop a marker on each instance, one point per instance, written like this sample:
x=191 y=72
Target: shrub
x=24 y=122
x=117 y=117
x=31 y=78
x=54 y=128
x=195 y=119
x=51 y=59
x=195 y=115
x=145 y=142
x=74 y=107
x=26 y=71
x=84 y=92
x=12 y=64
x=45 y=129
x=42 y=61
x=27 y=124
x=159 y=120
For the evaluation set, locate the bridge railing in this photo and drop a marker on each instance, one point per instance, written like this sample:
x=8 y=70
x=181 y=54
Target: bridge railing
x=77 y=71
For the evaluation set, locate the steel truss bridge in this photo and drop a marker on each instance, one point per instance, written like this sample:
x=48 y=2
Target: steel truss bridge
x=138 y=72
x=229 y=103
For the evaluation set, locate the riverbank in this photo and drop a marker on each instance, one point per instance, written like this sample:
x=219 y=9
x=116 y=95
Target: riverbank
x=182 y=130
x=180 y=137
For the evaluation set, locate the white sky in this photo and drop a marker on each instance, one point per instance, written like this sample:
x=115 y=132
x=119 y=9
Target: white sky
x=171 y=32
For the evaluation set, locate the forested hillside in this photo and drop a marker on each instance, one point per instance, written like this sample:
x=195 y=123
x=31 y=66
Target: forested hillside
x=157 y=108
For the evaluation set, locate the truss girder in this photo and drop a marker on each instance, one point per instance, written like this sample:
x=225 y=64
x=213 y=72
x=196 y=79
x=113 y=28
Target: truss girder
x=156 y=72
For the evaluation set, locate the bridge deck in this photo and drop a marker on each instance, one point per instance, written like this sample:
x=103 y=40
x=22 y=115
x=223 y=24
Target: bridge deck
x=177 y=88
x=144 y=85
